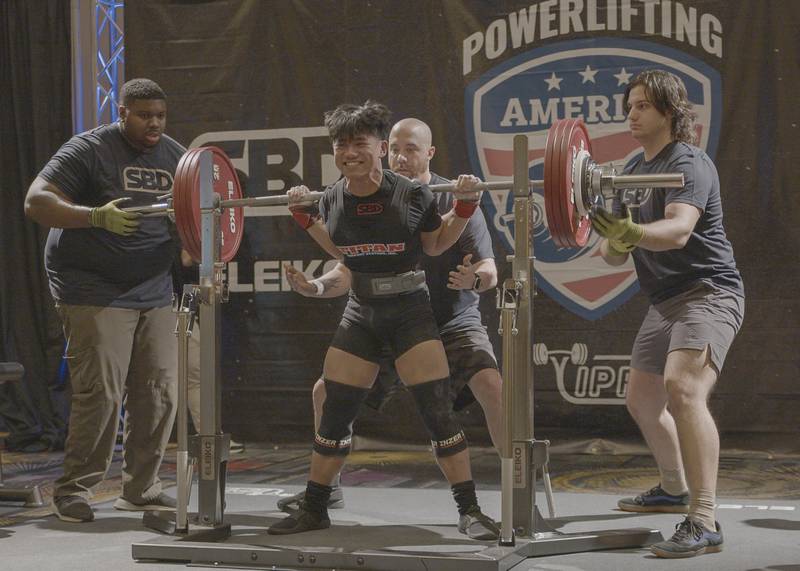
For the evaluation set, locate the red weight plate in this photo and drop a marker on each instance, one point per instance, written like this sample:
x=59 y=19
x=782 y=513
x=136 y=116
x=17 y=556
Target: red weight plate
x=551 y=176
x=193 y=237
x=231 y=221
x=182 y=189
x=561 y=234
x=579 y=226
x=572 y=230
x=566 y=199
x=561 y=237
x=192 y=190
x=226 y=185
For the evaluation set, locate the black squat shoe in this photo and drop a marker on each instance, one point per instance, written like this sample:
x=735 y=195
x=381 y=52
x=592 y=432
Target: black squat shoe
x=300 y=521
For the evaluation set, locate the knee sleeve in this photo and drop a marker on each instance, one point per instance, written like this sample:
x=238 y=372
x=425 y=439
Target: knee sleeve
x=338 y=413
x=436 y=407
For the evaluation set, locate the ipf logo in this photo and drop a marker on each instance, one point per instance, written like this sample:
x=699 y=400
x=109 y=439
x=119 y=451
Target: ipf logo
x=583 y=79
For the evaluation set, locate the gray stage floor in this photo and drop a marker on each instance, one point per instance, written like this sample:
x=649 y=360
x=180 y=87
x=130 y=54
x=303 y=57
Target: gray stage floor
x=760 y=534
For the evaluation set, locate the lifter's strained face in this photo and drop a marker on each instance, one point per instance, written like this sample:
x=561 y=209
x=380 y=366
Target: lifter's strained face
x=359 y=156
x=144 y=121
x=410 y=153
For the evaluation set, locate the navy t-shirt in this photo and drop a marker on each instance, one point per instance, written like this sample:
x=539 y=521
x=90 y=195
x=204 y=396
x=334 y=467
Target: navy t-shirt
x=708 y=255
x=380 y=233
x=92 y=266
x=454 y=308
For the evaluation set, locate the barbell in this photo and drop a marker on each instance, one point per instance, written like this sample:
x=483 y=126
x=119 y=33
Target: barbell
x=573 y=184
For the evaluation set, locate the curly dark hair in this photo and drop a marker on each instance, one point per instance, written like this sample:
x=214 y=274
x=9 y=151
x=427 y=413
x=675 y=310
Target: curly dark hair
x=667 y=93
x=140 y=88
x=349 y=120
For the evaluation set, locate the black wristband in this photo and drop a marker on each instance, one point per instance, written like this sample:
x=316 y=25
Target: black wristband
x=476 y=285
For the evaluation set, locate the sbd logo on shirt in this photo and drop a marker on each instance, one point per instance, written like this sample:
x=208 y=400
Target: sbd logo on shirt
x=575 y=79
x=140 y=179
x=369 y=209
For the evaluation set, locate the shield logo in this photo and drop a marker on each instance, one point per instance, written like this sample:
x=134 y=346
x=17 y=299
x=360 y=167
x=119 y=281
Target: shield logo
x=574 y=79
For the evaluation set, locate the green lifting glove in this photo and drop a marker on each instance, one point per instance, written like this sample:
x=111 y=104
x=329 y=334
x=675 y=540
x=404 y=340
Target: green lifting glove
x=113 y=219
x=622 y=229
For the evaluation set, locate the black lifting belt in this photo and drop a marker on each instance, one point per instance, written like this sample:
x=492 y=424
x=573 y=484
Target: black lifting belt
x=386 y=285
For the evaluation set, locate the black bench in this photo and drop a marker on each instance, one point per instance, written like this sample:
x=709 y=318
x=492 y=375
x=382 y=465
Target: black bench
x=31 y=495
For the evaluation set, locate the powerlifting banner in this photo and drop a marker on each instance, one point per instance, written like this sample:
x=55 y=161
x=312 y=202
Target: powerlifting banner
x=255 y=78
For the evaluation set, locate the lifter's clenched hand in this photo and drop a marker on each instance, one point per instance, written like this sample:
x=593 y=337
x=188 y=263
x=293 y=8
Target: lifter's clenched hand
x=298 y=196
x=303 y=210
x=467 y=197
x=465 y=188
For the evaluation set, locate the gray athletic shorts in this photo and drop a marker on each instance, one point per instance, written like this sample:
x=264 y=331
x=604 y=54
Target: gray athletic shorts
x=704 y=316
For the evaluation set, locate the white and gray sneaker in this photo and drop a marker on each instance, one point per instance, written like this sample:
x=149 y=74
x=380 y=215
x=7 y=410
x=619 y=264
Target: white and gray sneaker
x=162 y=502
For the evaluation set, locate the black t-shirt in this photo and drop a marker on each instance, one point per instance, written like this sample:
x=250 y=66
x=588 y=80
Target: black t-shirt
x=708 y=255
x=92 y=266
x=380 y=233
x=453 y=308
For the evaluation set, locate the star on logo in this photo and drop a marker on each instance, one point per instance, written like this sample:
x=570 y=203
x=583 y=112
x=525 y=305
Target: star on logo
x=623 y=77
x=588 y=74
x=553 y=82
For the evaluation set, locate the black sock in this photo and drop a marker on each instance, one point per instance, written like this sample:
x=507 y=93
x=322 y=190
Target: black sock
x=464 y=494
x=317 y=496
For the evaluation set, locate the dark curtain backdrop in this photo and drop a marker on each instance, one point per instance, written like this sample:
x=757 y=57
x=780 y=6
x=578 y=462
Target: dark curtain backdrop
x=35 y=119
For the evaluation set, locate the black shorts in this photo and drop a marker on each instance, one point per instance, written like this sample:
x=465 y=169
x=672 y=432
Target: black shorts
x=400 y=322
x=469 y=351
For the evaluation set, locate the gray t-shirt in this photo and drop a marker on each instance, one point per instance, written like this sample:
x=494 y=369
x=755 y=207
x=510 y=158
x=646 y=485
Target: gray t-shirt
x=455 y=308
x=92 y=266
x=708 y=255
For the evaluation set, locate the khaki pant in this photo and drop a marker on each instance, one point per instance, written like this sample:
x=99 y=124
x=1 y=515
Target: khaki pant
x=193 y=373
x=116 y=353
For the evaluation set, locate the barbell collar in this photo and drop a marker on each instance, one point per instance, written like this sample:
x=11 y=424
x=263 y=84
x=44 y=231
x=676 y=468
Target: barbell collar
x=667 y=180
